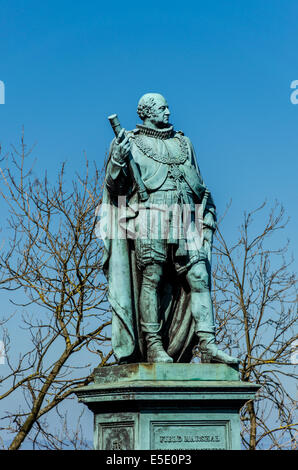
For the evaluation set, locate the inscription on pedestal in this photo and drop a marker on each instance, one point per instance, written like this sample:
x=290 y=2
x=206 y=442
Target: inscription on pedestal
x=189 y=435
x=116 y=436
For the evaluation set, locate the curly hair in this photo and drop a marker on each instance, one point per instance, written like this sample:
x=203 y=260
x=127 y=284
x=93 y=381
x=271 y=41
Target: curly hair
x=145 y=105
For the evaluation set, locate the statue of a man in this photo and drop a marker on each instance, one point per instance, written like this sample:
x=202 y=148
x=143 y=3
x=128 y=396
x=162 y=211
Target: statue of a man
x=159 y=280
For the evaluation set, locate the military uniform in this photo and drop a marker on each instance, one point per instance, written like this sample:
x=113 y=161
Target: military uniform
x=169 y=170
x=170 y=174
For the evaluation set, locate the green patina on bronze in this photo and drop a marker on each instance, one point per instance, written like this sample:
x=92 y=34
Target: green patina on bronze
x=159 y=287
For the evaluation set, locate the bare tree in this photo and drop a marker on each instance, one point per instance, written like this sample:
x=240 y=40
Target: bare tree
x=255 y=303
x=52 y=265
x=51 y=269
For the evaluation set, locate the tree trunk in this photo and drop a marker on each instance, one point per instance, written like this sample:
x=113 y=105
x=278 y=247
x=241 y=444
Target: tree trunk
x=253 y=425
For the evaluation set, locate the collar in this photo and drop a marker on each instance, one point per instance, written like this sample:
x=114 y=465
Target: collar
x=157 y=133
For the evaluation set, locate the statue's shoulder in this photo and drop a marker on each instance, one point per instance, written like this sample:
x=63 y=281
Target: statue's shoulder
x=133 y=132
x=185 y=137
x=181 y=134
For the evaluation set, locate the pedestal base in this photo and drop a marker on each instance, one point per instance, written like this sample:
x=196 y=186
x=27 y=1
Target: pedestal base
x=166 y=406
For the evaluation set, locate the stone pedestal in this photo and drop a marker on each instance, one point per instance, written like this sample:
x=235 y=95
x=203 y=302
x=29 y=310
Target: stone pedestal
x=166 y=406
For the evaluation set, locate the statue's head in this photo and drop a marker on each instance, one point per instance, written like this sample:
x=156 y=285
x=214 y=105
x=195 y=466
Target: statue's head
x=153 y=110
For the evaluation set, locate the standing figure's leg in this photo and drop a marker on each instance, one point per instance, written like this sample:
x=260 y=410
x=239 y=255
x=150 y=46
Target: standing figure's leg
x=150 y=322
x=202 y=311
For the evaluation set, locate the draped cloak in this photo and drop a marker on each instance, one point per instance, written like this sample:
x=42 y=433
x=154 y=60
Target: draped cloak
x=121 y=270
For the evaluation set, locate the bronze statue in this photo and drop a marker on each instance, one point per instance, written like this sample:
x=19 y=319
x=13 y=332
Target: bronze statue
x=157 y=261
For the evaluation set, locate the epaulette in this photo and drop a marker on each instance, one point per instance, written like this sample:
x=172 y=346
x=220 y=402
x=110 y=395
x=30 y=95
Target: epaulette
x=180 y=132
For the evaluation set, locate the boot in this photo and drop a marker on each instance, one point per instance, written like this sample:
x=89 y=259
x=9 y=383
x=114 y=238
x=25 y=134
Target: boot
x=155 y=350
x=210 y=351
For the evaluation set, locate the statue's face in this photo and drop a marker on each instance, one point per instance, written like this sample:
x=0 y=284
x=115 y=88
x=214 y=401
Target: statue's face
x=159 y=115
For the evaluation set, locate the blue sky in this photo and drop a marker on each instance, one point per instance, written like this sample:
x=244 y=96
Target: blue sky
x=225 y=68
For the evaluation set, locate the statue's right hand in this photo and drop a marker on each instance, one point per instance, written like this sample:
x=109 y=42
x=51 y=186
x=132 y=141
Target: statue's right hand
x=121 y=147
